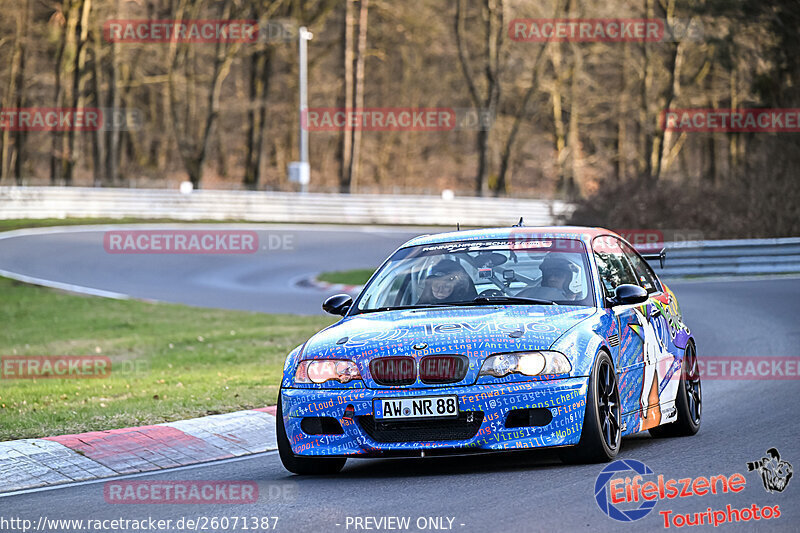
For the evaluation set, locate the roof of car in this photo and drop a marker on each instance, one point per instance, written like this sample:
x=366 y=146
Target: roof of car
x=513 y=233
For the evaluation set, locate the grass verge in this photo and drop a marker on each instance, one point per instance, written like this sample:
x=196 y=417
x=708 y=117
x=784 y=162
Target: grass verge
x=357 y=276
x=169 y=362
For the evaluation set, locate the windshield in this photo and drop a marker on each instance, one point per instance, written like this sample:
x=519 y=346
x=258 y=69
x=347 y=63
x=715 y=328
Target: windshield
x=541 y=272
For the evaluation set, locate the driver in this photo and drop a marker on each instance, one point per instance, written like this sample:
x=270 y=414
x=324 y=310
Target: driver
x=447 y=282
x=557 y=275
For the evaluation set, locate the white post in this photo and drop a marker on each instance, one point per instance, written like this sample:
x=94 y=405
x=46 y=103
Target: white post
x=303 y=37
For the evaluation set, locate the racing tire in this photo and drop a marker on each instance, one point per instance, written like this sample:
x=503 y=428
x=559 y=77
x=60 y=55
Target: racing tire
x=688 y=401
x=601 y=436
x=304 y=466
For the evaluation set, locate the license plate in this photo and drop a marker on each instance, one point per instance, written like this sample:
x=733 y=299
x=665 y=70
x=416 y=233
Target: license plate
x=427 y=407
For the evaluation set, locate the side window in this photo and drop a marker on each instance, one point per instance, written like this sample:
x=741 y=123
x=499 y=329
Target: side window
x=644 y=274
x=612 y=264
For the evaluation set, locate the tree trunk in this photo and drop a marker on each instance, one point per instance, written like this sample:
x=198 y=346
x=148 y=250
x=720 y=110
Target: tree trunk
x=495 y=30
x=98 y=170
x=711 y=147
x=559 y=129
x=575 y=185
x=59 y=148
x=492 y=11
x=194 y=149
x=358 y=94
x=663 y=139
x=347 y=135
x=112 y=135
x=505 y=157
x=82 y=34
x=621 y=137
x=16 y=93
x=645 y=161
x=260 y=71
x=733 y=138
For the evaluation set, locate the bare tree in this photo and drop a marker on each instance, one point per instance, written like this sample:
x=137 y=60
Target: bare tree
x=193 y=129
x=358 y=92
x=491 y=13
x=505 y=157
x=113 y=135
x=67 y=20
x=348 y=55
x=15 y=93
x=83 y=9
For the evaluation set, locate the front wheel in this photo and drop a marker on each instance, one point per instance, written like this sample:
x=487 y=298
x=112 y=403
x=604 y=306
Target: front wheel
x=298 y=464
x=688 y=402
x=601 y=436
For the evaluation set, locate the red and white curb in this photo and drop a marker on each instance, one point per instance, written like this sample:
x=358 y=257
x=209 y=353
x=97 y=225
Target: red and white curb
x=30 y=463
x=311 y=282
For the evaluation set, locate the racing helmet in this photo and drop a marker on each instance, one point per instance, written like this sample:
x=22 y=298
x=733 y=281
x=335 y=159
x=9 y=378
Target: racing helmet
x=557 y=263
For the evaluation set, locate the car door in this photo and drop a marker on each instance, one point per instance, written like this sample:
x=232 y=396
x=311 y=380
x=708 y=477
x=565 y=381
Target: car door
x=659 y=340
x=634 y=367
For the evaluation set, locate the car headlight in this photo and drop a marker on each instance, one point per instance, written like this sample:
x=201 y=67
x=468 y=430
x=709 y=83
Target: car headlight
x=527 y=363
x=322 y=370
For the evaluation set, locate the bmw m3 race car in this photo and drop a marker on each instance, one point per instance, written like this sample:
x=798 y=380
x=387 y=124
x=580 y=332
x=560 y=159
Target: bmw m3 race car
x=494 y=339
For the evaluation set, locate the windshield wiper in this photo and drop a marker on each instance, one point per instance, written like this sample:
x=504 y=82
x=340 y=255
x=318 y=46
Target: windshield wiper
x=479 y=300
x=402 y=307
x=512 y=300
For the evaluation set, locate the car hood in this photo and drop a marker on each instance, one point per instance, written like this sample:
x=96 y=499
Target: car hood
x=475 y=332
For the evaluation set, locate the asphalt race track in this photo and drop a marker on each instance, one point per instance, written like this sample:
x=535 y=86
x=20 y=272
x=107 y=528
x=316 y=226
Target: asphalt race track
x=524 y=491
x=263 y=281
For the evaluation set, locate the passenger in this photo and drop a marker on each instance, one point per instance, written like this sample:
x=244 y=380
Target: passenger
x=557 y=275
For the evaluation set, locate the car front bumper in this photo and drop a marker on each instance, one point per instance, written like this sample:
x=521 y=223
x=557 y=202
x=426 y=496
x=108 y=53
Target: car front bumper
x=482 y=424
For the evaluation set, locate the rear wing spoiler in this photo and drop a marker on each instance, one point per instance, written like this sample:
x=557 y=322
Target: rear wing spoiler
x=660 y=256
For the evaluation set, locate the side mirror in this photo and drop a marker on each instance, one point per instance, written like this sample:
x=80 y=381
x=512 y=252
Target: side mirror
x=628 y=294
x=338 y=304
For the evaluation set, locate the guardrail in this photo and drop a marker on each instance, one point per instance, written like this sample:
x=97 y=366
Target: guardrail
x=684 y=259
x=256 y=206
x=731 y=258
x=689 y=259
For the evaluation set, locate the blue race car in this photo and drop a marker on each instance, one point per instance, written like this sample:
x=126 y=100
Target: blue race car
x=495 y=339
